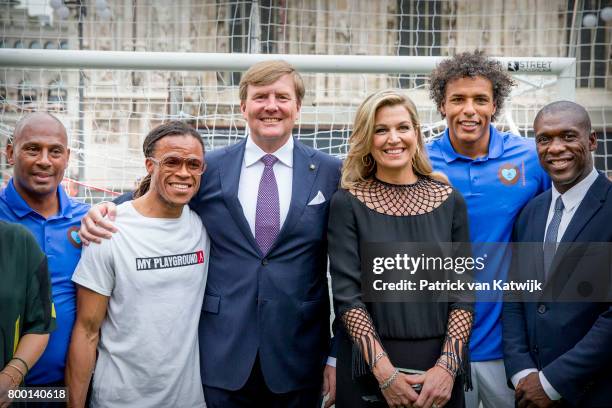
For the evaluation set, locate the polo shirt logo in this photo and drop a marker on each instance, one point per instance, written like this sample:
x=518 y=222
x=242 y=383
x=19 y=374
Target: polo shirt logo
x=73 y=237
x=508 y=174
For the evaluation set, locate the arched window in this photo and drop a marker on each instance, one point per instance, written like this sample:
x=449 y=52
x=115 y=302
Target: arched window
x=50 y=45
x=19 y=44
x=26 y=93
x=57 y=94
x=64 y=45
x=35 y=45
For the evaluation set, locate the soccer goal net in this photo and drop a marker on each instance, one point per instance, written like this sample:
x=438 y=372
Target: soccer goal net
x=111 y=70
x=108 y=108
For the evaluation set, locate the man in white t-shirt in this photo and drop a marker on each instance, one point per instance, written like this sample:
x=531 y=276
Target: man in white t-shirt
x=139 y=294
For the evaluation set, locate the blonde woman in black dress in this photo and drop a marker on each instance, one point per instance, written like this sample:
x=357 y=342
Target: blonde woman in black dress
x=390 y=194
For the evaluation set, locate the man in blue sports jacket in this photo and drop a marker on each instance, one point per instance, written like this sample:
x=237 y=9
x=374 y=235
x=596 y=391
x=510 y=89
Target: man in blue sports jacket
x=557 y=348
x=34 y=198
x=264 y=328
x=497 y=173
x=265 y=320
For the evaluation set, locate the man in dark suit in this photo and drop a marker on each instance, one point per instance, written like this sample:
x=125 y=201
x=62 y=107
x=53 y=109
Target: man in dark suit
x=556 y=349
x=264 y=327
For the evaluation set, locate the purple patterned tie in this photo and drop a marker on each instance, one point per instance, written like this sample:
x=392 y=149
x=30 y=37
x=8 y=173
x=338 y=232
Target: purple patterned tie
x=267 y=214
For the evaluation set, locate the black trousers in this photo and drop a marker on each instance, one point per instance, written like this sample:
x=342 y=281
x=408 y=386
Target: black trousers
x=256 y=394
x=363 y=392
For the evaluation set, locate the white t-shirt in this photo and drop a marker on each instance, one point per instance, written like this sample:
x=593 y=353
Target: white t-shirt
x=154 y=271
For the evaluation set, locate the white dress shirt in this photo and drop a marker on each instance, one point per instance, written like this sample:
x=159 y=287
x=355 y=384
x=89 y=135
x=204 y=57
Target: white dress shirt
x=250 y=176
x=571 y=201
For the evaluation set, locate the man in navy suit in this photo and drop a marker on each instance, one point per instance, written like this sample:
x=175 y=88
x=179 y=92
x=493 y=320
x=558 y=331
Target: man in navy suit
x=557 y=350
x=264 y=327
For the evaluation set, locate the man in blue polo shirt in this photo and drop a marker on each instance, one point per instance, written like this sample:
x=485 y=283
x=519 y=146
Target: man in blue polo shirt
x=34 y=198
x=497 y=173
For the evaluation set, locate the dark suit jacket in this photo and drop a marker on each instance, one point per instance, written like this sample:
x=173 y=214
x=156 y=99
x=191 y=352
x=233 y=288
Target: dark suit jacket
x=569 y=341
x=274 y=304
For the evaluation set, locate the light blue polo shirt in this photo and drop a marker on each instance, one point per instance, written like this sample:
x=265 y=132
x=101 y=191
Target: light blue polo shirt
x=496 y=187
x=58 y=238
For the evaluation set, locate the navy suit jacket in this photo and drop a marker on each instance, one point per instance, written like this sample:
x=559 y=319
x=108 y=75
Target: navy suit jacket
x=569 y=341
x=275 y=304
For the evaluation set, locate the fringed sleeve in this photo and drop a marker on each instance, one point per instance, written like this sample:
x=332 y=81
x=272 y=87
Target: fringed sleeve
x=359 y=326
x=455 y=355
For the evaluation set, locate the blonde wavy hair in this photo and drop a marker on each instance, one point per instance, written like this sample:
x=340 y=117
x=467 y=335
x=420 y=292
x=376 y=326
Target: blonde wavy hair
x=359 y=164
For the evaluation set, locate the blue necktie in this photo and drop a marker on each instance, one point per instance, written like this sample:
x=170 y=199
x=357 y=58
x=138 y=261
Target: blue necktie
x=550 y=240
x=267 y=213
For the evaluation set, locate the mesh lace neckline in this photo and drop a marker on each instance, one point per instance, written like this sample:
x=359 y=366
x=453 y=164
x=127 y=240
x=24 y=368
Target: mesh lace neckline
x=421 y=197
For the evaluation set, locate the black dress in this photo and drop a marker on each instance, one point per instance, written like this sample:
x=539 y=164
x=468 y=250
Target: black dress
x=411 y=333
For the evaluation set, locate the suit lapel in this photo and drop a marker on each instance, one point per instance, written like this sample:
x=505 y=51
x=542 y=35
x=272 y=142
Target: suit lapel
x=305 y=168
x=592 y=202
x=229 y=173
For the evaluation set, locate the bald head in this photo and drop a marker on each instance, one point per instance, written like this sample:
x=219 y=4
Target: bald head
x=40 y=119
x=39 y=155
x=579 y=115
x=565 y=143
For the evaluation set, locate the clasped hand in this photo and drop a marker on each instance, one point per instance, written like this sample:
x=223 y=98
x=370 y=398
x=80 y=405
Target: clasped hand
x=437 y=385
x=400 y=393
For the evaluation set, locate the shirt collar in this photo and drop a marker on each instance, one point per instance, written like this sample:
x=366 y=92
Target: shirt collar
x=574 y=196
x=254 y=153
x=65 y=207
x=496 y=147
x=21 y=208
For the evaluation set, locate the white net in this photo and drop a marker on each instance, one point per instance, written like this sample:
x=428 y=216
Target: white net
x=108 y=112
